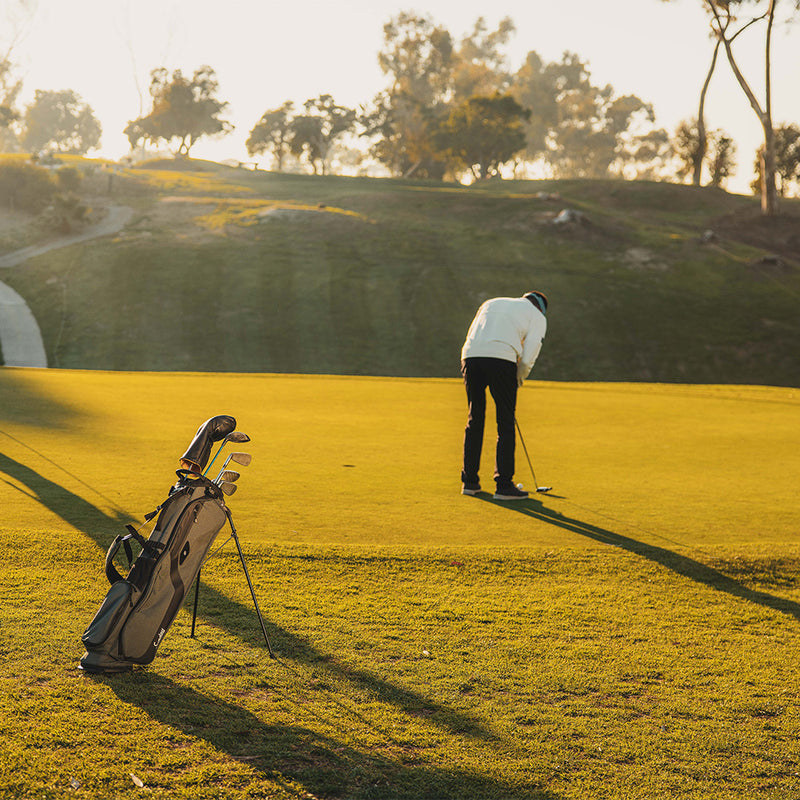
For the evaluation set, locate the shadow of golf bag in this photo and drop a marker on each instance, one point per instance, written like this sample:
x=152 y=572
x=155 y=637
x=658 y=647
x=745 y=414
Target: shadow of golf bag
x=139 y=609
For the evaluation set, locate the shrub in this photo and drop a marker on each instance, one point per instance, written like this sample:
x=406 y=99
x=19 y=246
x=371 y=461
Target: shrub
x=25 y=187
x=69 y=179
x=65 y=210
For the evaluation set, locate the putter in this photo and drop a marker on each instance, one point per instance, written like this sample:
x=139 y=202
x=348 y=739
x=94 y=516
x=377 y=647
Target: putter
x=543 y=489
x=235 y=436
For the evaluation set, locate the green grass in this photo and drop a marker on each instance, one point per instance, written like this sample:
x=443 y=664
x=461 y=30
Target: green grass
x=382 y=277
x=632 y=635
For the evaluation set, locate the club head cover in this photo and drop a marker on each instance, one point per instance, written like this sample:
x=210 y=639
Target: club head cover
x=212 y=430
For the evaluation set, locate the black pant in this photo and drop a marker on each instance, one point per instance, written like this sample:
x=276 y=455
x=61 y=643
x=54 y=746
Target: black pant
x=501 y=378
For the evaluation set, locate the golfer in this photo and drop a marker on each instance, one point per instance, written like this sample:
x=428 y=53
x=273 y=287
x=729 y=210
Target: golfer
x=502 y=345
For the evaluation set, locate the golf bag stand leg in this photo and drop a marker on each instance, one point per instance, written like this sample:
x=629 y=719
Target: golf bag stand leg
x=249 y=582
x=235 y=537
x=196 y=595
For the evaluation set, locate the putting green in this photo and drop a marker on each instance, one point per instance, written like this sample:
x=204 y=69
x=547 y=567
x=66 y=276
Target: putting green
x=361 y=461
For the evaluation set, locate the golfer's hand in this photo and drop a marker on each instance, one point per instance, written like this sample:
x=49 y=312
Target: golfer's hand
x=520 y=381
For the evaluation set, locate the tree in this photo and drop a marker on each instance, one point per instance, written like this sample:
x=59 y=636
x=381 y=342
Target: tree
x=272 y=131
x=787 y=159
x=582 y=130
x=645 y=156
x=716 y=153
x=418 y=58
x=314 y=133
x=726 y=28
x=787 y=156
x=183 y=109
x=482 y=133
x=688 y=152
x=9 y=90
x=535 y=86
x=723 y=13
x=699 y=147
x=702 y=138
x=402 y=131
x=722 y=163
x=479 y=65
x=61 y=122
x=25 y=187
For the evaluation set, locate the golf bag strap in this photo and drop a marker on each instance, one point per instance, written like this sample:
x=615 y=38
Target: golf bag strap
x=111 y=571
x=124 y=541
x=151 y=547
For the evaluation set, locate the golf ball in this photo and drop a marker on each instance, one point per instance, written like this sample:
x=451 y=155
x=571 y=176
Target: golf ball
x=519 y=486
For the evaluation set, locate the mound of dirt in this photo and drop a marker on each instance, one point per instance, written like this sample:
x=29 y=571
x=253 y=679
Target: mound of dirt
x=778 y=235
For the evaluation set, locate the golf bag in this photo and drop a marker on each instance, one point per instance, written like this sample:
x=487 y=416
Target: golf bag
x=139 y=609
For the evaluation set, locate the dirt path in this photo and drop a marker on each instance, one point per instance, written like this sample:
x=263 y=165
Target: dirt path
x=20 y=337
x=116 y=219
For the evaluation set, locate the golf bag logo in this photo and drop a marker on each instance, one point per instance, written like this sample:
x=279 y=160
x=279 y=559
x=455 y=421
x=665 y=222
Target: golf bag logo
x=159 y=636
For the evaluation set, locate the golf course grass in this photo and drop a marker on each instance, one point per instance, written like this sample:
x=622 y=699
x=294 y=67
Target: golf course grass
x=632 y=634
x=231 y=270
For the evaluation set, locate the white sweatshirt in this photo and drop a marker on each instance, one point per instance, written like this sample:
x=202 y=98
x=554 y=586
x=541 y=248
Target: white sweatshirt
x=510 y=328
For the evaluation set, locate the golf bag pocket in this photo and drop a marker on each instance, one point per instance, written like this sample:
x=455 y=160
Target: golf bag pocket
x=111 y=615
x=141 y=570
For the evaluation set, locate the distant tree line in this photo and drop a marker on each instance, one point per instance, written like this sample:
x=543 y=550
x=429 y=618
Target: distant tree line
x=450 y=109
x=454 y=108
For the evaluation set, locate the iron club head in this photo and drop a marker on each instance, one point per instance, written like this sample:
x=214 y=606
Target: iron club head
x=238 y=458
x=228 y=488
x=233 y=436
x=227 y=475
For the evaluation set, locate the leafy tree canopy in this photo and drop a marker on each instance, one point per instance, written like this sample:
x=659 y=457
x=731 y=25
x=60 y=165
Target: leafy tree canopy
x=272 y=132
x=184 y=110
x=59 y=121
x=314 y=133
x=580 y=129
x=482 y=133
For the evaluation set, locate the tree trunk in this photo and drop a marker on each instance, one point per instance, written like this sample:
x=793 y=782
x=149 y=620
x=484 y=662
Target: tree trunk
x=769 y=189
x=702 y=138
x=769 y=194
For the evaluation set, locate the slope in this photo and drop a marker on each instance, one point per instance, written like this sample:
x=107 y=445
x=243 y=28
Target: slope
x=232 y=270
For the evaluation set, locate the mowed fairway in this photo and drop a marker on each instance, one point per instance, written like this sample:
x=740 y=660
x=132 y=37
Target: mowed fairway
x=632 y=635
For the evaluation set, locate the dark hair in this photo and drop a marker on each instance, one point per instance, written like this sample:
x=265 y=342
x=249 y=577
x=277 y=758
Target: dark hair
x=538 y=299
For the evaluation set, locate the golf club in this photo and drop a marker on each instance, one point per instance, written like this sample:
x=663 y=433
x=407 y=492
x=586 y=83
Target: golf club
x=542 y=489
x=235 y=436
x=227 y=475
x=228 y=488
x=238 y=458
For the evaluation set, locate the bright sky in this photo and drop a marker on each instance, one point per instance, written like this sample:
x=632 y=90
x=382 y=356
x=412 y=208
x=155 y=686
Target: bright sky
x=265 y=52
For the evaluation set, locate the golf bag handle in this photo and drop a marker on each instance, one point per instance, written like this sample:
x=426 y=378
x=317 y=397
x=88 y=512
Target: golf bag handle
x=123 y=541
x=187 y=477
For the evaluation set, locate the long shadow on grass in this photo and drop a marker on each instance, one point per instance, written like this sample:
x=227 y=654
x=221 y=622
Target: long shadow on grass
x=235 y=618
x=24 y=403
x=72 y=508
x=324 y=766
x=682 y=565
x=242 y=622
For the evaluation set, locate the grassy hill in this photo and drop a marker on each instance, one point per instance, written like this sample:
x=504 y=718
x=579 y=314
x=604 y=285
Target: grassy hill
x=631 y=635
x=226 y=269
